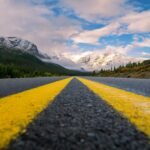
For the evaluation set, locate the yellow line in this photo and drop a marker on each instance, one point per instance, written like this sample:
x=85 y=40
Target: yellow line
x=17 y=111
x=133 y=106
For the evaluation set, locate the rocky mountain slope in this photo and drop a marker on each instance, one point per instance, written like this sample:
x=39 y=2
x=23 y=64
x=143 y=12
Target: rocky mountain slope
x=106 y=60
x=23 y=45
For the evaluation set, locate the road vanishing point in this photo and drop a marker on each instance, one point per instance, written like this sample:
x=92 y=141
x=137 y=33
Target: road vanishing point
x=74 y=113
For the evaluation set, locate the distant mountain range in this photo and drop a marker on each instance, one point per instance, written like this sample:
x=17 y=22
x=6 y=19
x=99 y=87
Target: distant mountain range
x=94 y=61
x=20 y=58
x=106 y=60
x=30 y=48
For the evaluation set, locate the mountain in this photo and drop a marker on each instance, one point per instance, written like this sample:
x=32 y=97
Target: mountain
x=20 y=58
x=30 y=48
x=93 y=61
x=106 y=60
x=23 y=45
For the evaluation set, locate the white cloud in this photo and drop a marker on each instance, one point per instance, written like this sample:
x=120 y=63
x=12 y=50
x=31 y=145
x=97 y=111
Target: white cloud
x=137 y=22
x=144 y=54
x=144 y=43
x=135 y=44
x=96 y=9
x=22 y=19
x=38 y=24
x=93 y=35
x=124 y=50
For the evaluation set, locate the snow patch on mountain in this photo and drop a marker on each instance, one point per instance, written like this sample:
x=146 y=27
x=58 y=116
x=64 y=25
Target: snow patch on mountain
x=20 y=44
x=106 y=60
x=17 y=43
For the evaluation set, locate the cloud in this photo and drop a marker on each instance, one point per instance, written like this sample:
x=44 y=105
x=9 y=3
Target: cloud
x=135 y=44
x=144 y=43
x=92 y=37
x=144 y=54
x=36 y=23
x=122 y=49
x=96 y=9
x=137 y=22
x=129 y=47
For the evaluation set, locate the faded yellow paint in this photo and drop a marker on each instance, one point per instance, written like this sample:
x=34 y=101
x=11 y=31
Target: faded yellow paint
x=18 y=110
x=133 y=106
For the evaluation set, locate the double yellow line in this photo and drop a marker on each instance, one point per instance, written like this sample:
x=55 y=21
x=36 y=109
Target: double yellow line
x=18 y=110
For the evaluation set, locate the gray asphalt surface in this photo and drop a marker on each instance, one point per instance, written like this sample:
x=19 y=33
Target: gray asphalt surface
x=80 y=120
x=12 y=86
x=139 y=86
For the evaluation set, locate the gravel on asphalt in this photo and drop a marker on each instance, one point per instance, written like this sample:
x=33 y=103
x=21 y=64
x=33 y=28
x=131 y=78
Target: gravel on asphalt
x=79 y=120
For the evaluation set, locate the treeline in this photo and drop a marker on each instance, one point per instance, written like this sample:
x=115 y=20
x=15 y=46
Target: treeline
x=131 y=70
x=15 y=64
x=12 y=71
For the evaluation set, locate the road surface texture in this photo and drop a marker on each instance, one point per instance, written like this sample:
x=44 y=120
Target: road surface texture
x=79 y=120
x=12 y=86
x=139 y=86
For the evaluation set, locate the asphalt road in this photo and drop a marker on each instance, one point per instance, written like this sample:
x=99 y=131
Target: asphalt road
x=139 y=86
x=80 y=120
x=12 y=86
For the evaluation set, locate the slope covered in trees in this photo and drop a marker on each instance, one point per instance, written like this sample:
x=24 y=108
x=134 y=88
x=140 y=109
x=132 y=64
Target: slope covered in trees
x=16 y=63
x=131 y=70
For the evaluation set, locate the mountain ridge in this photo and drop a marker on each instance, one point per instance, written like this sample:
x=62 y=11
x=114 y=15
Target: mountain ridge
x=15 y=43
x=23 y=45
x=106 y=60
x=93 y=61
x=15 y=64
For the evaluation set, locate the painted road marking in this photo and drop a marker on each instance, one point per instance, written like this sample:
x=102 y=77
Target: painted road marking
x=18 y=110
x=133 y=106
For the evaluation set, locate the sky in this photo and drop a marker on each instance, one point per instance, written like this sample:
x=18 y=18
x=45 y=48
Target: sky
x=77 y=27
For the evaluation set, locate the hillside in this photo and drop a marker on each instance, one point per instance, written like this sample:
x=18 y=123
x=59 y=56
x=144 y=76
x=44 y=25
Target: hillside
x=16 y=63
x=131 y=70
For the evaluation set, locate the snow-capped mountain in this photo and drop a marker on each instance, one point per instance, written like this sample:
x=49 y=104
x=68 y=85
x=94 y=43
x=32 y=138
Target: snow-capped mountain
x=90 y=62
x=20 y=44
x=106 y=60
x=29 y=47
